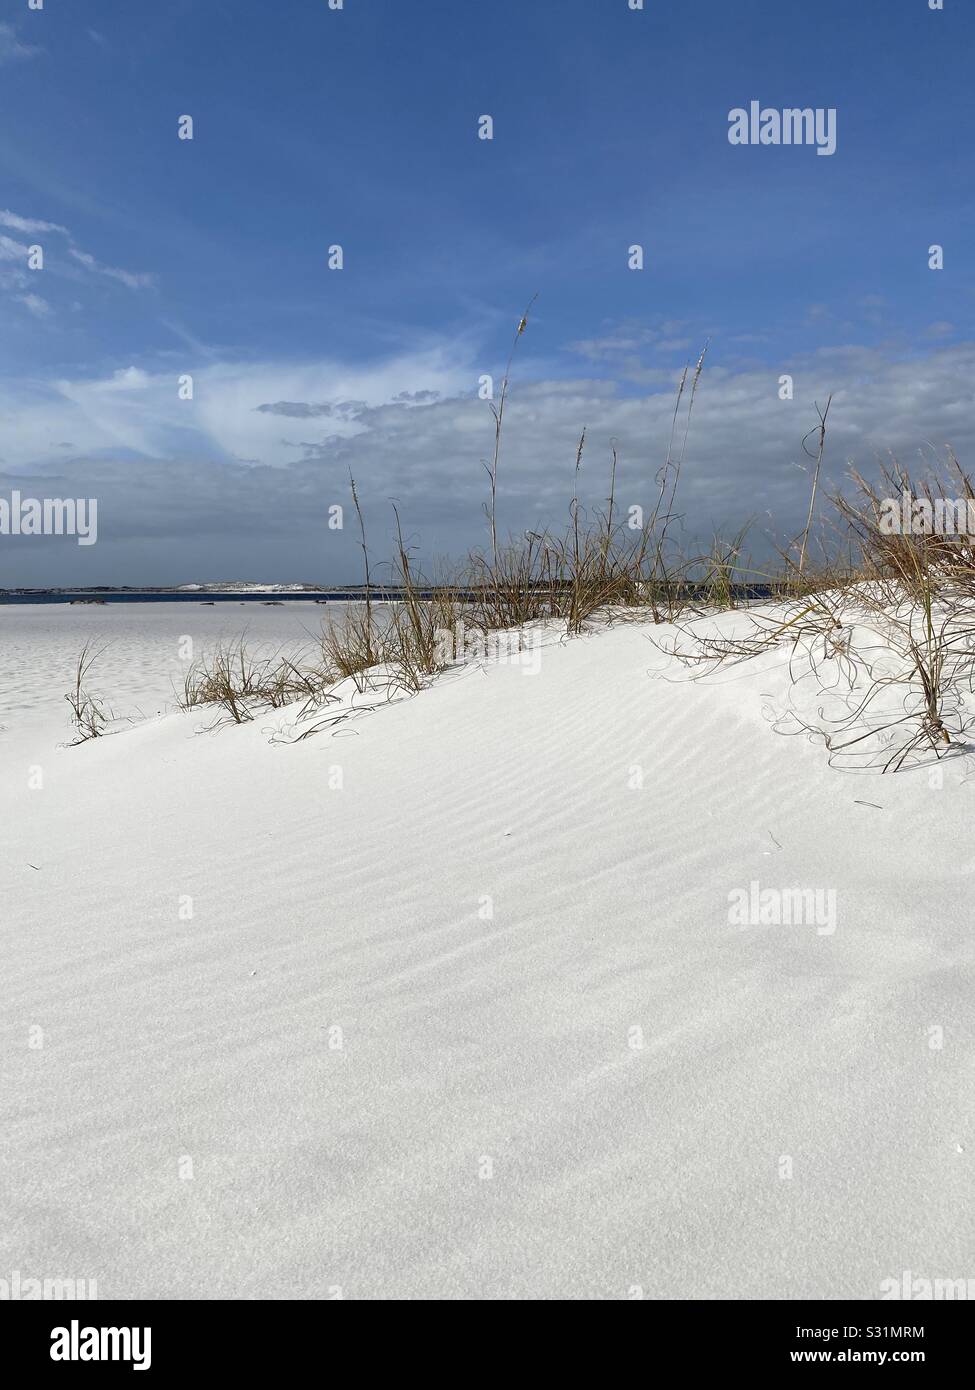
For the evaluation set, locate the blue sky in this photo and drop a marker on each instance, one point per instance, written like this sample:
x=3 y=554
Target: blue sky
x=359 y=127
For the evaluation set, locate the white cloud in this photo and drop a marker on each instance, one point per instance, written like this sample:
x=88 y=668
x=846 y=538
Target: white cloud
x=128 y=379
x=11 y=48
x=134 y=280
x=141 y=412
x=11 y=250
x=31 y=225
x=626 y=338
x=38 y=307
x=17 y=251
x=743 y=456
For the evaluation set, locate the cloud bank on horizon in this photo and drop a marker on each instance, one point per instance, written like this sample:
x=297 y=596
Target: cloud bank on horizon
x=208 y=333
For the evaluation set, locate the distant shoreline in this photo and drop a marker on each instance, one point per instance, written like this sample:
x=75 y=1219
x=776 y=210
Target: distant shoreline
x=345 y=594
x=181 y=595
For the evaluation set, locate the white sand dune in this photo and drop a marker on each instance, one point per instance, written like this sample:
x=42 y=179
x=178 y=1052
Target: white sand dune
x=474 y=1023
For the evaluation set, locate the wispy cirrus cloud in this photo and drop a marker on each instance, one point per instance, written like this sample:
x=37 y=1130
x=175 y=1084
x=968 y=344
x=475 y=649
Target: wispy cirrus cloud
x=627 y=338
x=12 y=50
x=39 y=307
x=136 y=280
x=13 y=250
x=31 y=226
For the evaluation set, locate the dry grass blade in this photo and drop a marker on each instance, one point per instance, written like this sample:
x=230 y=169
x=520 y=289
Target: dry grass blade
x=88 y=715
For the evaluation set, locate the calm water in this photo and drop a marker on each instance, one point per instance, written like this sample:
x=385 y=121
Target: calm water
x=79 y=598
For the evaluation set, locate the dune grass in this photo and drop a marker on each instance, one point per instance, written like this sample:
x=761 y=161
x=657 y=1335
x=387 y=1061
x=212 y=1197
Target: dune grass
x=910 y=596
x=89 y=716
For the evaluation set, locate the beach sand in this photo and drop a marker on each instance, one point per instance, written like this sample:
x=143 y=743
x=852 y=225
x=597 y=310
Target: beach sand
x=459 y=1010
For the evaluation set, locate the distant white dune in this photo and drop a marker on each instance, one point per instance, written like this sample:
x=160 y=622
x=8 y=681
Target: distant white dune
x=241 y=586
x=452 y=1002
